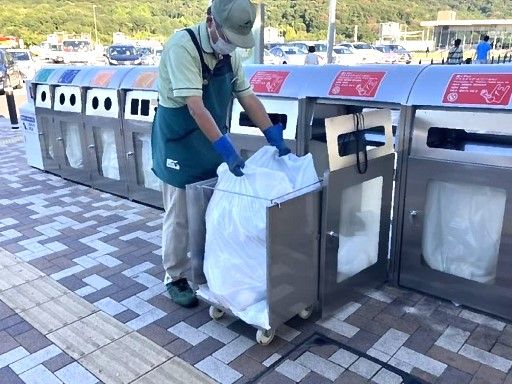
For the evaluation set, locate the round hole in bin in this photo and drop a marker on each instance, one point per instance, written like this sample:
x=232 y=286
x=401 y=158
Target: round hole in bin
x=95 y=102
x=43 y=96
x=72 y=99
x=62 y=99
x=107 y=103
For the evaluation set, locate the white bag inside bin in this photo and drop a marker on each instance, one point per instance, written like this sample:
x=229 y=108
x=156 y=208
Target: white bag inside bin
x=235 y=263
x=109 y=162
x=359 y=227
x=150 y=180
x=73 y=144
x=462 y=229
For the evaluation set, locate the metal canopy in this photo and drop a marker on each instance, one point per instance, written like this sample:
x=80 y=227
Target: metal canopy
x=464 y=86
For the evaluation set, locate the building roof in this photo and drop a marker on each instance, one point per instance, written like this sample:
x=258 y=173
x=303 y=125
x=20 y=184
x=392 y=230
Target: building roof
x=455 y=23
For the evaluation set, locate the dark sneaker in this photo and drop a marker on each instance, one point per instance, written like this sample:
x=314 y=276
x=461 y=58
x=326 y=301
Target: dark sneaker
x=181 y=293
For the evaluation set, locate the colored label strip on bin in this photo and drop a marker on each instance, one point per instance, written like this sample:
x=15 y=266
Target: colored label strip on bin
x=479 y=89
x=68 y=76
x=356 y=84
x=43 y=75
x=268 y=81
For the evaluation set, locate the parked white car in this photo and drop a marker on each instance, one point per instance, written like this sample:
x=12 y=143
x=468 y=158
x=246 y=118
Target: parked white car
x=26 y=64
x=367 y=54
x=288 y=54
x=270 y=59
x=344 y=56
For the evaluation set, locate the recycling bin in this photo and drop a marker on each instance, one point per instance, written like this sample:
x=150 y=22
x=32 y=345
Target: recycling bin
x=140 y=97
x=103 y=130
x=456 y=227
x=68 y=113
x=43 y=102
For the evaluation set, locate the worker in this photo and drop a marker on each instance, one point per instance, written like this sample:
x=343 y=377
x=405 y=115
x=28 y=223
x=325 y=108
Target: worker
x=199 y=74
x=312 y=58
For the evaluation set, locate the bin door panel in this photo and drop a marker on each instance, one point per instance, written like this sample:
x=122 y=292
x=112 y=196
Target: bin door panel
x=355 y=231
x=457 y=240
x=143 y=185
x=72 y=151
x=356 y=214
x=48 y=143
x=107 y=155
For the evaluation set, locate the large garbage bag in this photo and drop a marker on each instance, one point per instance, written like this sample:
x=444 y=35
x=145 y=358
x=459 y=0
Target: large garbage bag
x=109 y=162
x=235 y=263
x=462 y=229
x=360 y=213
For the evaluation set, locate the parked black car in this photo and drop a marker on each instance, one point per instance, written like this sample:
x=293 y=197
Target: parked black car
x=123 y=54
x=10 y=74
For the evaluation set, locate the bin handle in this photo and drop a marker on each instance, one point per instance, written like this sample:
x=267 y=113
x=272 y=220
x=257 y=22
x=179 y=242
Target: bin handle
x=129 y=154
x=92 y=146
x=59 y=139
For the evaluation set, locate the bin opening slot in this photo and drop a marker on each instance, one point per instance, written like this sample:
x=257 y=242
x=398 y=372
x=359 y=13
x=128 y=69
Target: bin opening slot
x=352 y=143
x=144 y=107
x=134 y=107
x=245 y=121
x=464 y=141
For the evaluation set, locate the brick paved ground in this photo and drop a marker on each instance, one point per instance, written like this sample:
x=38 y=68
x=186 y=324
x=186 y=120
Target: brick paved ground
x=104 y=252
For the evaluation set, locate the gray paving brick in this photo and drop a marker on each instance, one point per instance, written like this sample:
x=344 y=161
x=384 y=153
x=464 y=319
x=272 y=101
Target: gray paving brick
x=420 y=361
x=364 y=367
x=12 y=356
x=346 y=310
x=485 y=357
x=483 y=337
x=386 y=377
x=452 y=339
x=58 y=362
x=7 y=342
x=218 y=331
x=423 y=339
x=35 y=359
x=233 y=349
x=452 y=375
x=339 y=326
x=287 y=333
x=146 y=318
x=482 y=319
x=271 y=360
x=75 y=373
x=379 y=355
x=201 y=351
x=349 y=377
x=454 y=359
x=502 y=350
x=293 y=370
x=319 y=365
x=315 y=378
x=391 y=341
x=178 y=346
x=39 y=374
x=110 y=306
x=490 y=374
x=9 y=376
x=218 y=370
x=174 y=371
x=96 y=281
x=188 y=333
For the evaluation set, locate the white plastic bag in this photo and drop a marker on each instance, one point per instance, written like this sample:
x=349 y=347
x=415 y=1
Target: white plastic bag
x=109 y=162
x=150 y=180
x=359 y=227
x=73 y=145
x=235 y=251
x=462 y=230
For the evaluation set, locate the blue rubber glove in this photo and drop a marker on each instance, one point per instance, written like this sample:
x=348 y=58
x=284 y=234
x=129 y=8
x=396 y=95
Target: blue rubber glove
x=225 y=149
x=274 y=136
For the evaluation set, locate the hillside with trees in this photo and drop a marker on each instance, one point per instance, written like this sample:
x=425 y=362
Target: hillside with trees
x=299 y=19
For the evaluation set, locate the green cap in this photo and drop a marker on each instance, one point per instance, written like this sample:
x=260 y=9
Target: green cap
x=236 y=18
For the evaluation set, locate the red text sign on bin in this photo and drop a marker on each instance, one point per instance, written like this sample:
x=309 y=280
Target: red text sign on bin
x=479 y=88
x=268 y=81
x=356 y=84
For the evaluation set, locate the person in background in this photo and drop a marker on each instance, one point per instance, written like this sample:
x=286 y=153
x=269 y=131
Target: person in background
x=312 y=58
x=199 y=73
x=482 y=51
x=456 y=53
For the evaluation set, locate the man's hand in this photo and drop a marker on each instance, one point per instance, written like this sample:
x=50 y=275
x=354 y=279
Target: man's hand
x=274 y=135
x=225 y=148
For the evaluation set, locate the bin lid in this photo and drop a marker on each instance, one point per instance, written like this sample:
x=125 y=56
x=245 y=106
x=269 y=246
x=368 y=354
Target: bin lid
x=468 y=86
x=279 y=80
x=106 y=77
x=141 y=78
x=46 y=75
x=375 y=83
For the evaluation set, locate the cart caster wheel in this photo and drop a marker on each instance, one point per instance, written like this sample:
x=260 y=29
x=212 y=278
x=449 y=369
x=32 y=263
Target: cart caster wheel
x=265 y=337
x=215 y=313
x=306 y=313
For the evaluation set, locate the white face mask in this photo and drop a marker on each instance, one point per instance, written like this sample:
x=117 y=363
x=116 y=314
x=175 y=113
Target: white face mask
x=222 y=47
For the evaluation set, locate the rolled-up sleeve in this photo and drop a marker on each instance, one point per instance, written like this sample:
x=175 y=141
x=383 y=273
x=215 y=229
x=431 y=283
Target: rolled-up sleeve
x=184 y=71
x=242 y=87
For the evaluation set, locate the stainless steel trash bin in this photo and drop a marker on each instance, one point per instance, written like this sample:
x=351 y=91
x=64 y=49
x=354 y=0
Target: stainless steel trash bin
x=455 y=226
x=140 y=98
x=68 y=124
x=103 y=130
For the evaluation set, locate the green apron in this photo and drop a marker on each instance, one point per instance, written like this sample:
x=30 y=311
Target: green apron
x=182 y=154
